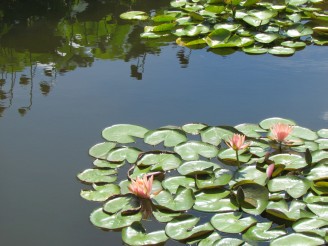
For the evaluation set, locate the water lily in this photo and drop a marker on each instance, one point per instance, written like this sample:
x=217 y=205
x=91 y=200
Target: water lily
x=237 y=142
x=270 y=170
x=281 y=131
x=141 y=187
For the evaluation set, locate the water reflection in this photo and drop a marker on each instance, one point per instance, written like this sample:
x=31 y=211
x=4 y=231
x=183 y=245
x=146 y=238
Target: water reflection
x=56 y=37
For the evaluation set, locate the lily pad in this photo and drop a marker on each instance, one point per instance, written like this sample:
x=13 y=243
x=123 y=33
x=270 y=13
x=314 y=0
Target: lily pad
x=219 y=177
x=135 y=234
x=298 y=239
x=123 y=153
x=210 y=200
x=250 y=130
x=231 y=222
x=210 y=240
x=107 y=164
x=214 y=135
x=261 y=233
x=323 y=133
x=282 y=210
x=160 y=161
x=320 y=209
x=295 y=186
x=197 y=167
x=299 y=30
x=101 y=150
x=183 y=200
x=123 y=133
x=172 y=183
x=249 y=173
x=193 y=128
x=268 y=123
x=281 y=51
x=308 y=224
x=101 y=192
x=266 y=37
x=134 y=15
x=255 y=50
x=170 y=137
x=98 y=176
x=185 y=227
x=122 y=204
x=163 y=215
x=114 y=221
x=191 y=150
x=290 y=161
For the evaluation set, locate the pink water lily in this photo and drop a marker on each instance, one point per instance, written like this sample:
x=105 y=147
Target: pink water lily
x=142 y=187
x=270 y=170
x=237 y=142
x=281 y=131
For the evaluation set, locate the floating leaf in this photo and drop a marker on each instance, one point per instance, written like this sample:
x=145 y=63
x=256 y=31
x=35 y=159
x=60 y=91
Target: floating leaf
x=163 y=18
x=255 y=195
x=261 y=233
x=318 y=172
x=266 y=37
x=296 y=2
x=121 y=204
x=214 y=135
x=323 y=143
x=250 y=130
x=172 y=183
x=250 y=173
x=323 y=133
x=281 y=209
x=101 y=150
x=229 y=241
x=299 y=30
x=290 y=161
x=298 y=239
x=295 y=186
x=281 y=51
x=134 y=15
x=150 y=35
x=320 y=209
x=228 y=156
x=231 y=222
x=220 y=177
x=291 y=44
x=211 y=200
x=136 y=235
x=308 y=224
x=107 y=164
x=124 y=153
x=268 y=123
x=191 y=150
x=210 y=240
x=255 y=50
x=98 y=176
x=304 y=133
x=100 y=193
x=184 y=227
x=114 y=221
x=123 y=133
x=170 y=137
x=193 y=128
x=160 y=161
x=163 y=215
x=183 y=200
x=197 y=167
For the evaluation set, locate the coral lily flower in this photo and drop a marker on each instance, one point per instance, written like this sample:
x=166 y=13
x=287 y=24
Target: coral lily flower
x=280 y=131
x=141 y=187
x=237 y=142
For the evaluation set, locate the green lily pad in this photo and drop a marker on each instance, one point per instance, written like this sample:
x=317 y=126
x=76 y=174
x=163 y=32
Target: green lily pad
x=134 y=15
x=114 y=221
x=193 y=128
x=98 y=176
x=290 y=161
x=255 y=50
x=253 y=198
x=177 y=4
x=229 y=241
x=281 y=51
x=323 y=133
x=281 y=209
x=231 y=222
x=185 y=227
x=191 y=150
x=123 y=153
x=268 y=123
x=296 y=2
x=164 y=18
x=210 y=240
x=250 y=130
x=170 y=137
x=140 y=171
x=123 y=133
x=197 y=167
x=160 y=161
x=211 y=200
x=298 y=239
x=101 y=150
x=323 y=143
x=318 y=172
x=320 y=209
x=172 y=183
x=308 y=224
x=150 y=35
x=107 y=164
x=291 y=44
x=163 y=215
x=263 y=14
x=261 y=233
x=255 y=21
x=183 y=200
x=121 y=204
x=228 y=156
x=295 y=186
x=227 y=26
x=219 y=177
x=266 y=38
x=304 y=133
x=214 y=135
x=135 y=234
x=101 y=192
x=249 y=173
x=299 y=30
x=319 y=155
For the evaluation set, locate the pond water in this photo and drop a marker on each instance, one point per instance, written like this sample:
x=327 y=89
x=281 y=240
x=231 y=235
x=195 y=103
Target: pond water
x=70 y=70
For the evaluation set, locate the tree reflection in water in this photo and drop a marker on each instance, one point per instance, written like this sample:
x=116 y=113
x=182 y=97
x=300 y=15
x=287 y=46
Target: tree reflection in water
x=56 y=37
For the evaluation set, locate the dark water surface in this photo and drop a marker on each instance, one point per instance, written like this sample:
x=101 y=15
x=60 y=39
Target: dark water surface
x=68 y=71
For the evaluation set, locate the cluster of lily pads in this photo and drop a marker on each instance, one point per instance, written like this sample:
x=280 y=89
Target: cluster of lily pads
x=257 y=27
x=212 y=185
